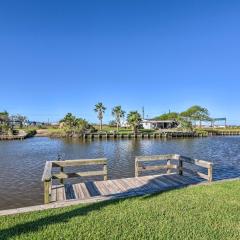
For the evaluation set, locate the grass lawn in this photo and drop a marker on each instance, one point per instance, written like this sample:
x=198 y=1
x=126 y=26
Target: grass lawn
x=203 y=212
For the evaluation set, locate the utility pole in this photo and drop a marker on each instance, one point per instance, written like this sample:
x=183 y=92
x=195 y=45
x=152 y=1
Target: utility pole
x=143 y=113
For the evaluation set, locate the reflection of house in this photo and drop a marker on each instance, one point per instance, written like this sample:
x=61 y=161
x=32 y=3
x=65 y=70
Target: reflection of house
x=158 y=124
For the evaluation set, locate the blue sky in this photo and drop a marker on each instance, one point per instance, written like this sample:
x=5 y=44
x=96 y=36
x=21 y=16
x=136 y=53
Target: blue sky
x=65 y=56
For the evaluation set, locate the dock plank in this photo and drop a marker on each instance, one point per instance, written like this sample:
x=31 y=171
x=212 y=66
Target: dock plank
x=78 y=191
x=61 y=193
x=125 y=187
x=84 y=190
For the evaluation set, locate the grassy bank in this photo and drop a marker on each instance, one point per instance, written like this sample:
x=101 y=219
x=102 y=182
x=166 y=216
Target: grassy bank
x=203 y=212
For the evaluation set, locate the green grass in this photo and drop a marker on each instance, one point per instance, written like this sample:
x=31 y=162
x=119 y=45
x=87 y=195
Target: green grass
x=203 y=212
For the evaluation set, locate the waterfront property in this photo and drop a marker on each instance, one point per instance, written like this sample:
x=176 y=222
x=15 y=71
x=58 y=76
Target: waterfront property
x=159 y=124
x=169 y=171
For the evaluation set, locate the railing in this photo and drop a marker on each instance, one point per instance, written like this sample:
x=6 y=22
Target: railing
x=185 y=165
x=48 y=176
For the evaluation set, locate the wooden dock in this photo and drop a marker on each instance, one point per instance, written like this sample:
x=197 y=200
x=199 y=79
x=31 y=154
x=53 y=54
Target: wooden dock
x=162 y=134
x=12 y=137
x=152 y=174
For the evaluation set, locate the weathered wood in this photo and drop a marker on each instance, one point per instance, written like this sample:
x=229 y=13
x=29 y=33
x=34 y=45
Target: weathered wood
x=61 y=193
x=47 y=173
x=83 y=162
x=197 y=162
x=123 y=187
x=105 y=171
x=210 y=171
x=168 y=166
x=155 y=168
x=63 y=175
x=128 y=186
x=155 y=157
x=196 y=173
x=53 y=194
x=136 y=168
x=47 y=187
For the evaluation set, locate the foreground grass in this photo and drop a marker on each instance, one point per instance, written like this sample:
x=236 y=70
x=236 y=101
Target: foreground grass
x=203 y=212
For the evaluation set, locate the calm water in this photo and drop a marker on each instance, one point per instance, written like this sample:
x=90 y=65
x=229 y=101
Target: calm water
x=22 y=162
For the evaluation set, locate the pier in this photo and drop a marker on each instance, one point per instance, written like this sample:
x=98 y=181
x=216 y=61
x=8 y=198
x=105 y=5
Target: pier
x=152 y=174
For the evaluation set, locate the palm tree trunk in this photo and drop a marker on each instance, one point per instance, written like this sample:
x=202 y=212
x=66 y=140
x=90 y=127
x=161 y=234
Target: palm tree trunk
x=100 y=124
x=117 y=126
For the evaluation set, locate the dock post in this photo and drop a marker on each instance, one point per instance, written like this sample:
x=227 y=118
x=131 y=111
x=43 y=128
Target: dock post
x=105 y=170
x=47 y=186
x=136 y=167
x=180 y=167
x=210 y=173
x=61 y=171
x=168 y=163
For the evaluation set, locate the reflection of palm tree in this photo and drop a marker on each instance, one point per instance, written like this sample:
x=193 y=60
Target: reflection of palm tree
x=100 y=109
x=118 y=113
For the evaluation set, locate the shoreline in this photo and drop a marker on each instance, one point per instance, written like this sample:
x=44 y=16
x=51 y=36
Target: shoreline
x=152 y=135
x=67 y=203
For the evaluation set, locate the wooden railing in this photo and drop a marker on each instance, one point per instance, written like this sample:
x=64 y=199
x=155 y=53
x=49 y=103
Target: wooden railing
x=48 y=176
x=185 y=165
x=196 y=167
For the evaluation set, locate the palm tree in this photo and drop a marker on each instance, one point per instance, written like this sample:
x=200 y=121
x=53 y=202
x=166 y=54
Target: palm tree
x=118 y=113
x=69 y=120
x=134 y=119
x=100 y=109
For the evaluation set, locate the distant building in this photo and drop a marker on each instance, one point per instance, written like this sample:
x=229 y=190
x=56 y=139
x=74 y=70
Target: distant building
x=159 y=124
x=35 y=123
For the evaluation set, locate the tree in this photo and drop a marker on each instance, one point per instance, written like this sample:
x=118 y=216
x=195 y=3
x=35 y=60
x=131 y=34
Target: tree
x=21 y=119
x=74 y=125
x=168 y=116
x=4 y=117
x=184 y=123
x=69 y=120
x=100 y=110
x=112 y=123
x=118 y=114
x=196 y=113
x=81 y=125
x=134 y=119
x=4 y=123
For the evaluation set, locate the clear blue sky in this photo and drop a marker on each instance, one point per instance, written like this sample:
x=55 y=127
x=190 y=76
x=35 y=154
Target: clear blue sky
x=65 y=56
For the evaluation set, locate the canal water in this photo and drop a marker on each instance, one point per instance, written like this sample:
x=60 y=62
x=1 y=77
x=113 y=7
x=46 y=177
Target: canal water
x=22 y=162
